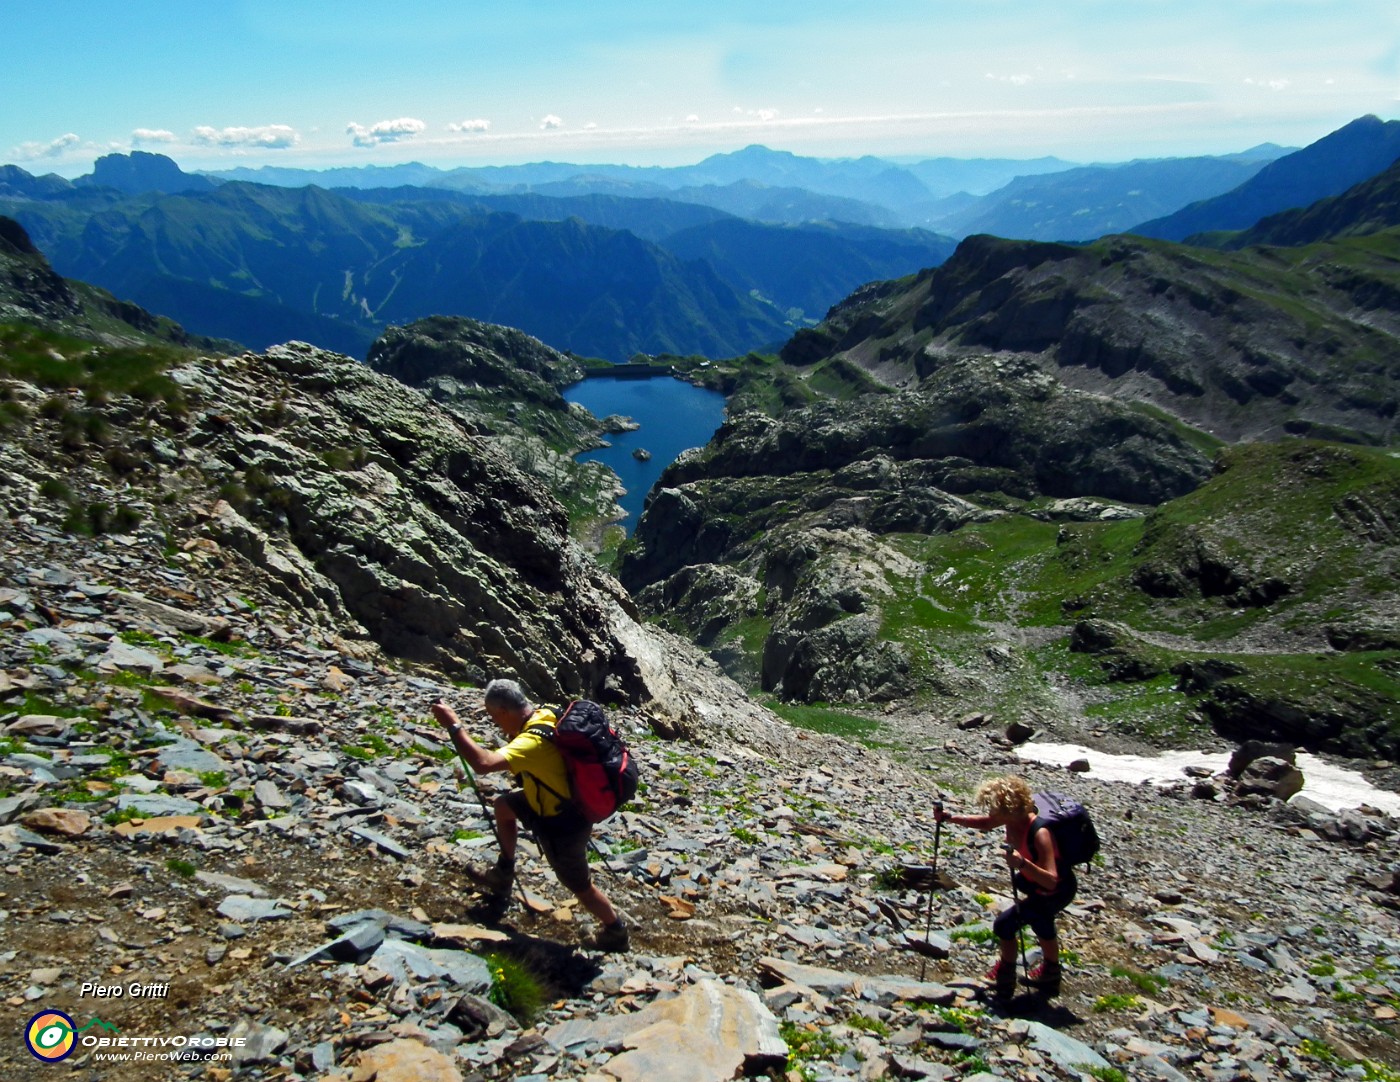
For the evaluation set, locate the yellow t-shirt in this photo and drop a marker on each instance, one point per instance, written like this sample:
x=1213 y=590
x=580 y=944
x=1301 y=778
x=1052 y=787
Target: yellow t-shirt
x=537 y=760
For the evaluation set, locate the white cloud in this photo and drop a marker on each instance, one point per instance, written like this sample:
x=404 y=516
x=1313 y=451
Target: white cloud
x=1014 y=80
x=693 y=118
x=266 y=137
x=551 y=122
x=386 y=131
x=591 y=126
x=470 y=126
x=153 y=135
x=764 y=115
x=1269 y=84
x=28 y=152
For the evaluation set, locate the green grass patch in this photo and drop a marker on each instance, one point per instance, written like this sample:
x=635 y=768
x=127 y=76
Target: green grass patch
x=1371 y=1071
x=59 y=362
x=868 y=1025
x=514 y=988
x=806 y=1043
x=124 y=815
x=821 y=718
x=1148 y=983
x=229 y=648
x=972 y=935
x=1116 y=1001
x=183 y=868
x=369 y=746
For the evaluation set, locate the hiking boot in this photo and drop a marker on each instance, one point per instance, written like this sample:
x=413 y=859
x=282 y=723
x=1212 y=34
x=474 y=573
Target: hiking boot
x=1045 y=978
x=1003 y=978
x=612 y=938
x=495 y=878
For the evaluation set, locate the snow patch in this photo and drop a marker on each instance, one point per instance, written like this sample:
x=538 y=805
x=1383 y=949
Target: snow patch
x=1331 y=786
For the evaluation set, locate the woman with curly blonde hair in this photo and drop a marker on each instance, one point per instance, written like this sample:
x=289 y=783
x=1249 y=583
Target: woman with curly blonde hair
x=1036 y=870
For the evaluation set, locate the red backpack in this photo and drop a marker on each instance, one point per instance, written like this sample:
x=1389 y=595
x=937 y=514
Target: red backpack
x=602 y=771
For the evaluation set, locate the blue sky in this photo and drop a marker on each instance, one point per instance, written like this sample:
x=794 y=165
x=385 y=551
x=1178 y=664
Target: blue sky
x=317 y=84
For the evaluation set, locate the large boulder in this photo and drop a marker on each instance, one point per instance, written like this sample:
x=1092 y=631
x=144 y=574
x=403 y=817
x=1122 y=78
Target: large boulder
x=1266 y=776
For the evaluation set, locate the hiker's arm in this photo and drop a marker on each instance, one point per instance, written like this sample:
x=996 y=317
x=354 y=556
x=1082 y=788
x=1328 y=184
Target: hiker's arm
x=1044 y=871
x=482 y=760
x=976 y=822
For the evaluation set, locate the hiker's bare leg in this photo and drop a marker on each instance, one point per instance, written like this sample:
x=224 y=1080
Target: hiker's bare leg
x=596 y=902
x=507 y=828
x=1007 y=948
x=1050 y=952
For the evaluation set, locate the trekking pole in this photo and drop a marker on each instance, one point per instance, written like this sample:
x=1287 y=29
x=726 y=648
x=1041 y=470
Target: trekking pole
x=1016 y=901
x=603 y=860
x=933 y=882
x=465 y=768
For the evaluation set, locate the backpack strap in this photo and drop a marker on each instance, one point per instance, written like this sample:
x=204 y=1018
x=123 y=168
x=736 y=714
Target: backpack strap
x=546 y=732
x=1037 y=824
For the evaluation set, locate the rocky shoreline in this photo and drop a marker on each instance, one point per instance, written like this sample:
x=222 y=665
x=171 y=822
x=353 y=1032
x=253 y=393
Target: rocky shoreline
x=267 y=826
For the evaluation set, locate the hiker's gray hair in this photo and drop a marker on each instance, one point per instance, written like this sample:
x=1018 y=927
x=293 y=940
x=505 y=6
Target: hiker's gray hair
x=506 y=693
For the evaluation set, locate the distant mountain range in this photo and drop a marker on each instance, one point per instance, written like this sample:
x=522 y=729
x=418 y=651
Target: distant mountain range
x=597 y=275
x=1330 y=166
x=1091 y=201
x=729 y=255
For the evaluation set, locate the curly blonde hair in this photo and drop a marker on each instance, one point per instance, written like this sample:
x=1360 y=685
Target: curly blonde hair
x=1006 y=795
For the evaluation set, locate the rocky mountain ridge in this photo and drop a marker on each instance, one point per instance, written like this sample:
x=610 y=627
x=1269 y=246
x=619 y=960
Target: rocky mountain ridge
x=1229 y=343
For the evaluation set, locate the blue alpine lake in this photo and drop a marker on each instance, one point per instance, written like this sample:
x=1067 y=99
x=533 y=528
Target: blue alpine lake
x=674 y=417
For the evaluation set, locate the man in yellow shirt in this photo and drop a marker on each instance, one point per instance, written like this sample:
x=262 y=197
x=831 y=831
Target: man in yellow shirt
x=541 y=803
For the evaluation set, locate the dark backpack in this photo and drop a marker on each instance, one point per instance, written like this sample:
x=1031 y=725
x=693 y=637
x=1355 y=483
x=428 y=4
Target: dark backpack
x=1069 y=822
x=602 y=771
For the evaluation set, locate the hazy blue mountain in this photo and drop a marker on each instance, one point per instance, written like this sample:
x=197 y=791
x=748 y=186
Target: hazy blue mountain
x=1094 y=200
x=778 y=186
x=139 y=172
x=15 y=183
x=1371 y=207
x=755 y=182
x=743 y=198
x=805 y=267
x=350 y=176
x=261 y=321
x=649 y=218
x=978 y=176
x=866 y=180
x=1327 y=167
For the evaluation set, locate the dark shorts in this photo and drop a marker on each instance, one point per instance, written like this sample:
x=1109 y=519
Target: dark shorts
x=1037 y=910
x=562 y=838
